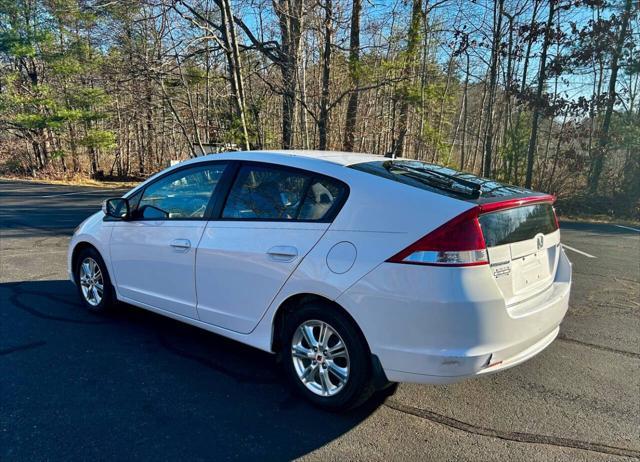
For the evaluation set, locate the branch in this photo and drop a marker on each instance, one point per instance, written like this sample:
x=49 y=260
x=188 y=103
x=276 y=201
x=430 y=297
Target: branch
x=274 y=53
x=361 y=89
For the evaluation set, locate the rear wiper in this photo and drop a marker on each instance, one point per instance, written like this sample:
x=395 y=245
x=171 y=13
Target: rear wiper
x=441 y=179
x=469 y=184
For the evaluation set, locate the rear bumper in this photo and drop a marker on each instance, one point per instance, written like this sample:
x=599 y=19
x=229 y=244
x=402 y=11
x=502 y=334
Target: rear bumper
x=467 y=367
x=442 y=325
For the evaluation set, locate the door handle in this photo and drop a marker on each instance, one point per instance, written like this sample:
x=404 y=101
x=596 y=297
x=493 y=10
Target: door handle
x=282 y=253
x=181 y=244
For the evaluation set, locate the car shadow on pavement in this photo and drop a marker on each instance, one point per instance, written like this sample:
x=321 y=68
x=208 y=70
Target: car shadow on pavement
x=133 y=384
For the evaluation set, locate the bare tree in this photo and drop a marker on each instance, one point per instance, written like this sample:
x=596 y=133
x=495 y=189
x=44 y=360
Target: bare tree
x=493 y=82
x=538 y=101
x=323 y=119
x=604 y=139
x=354 y=77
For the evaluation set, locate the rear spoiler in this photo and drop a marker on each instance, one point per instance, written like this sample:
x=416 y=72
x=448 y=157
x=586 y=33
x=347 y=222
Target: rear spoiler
x=487 y=207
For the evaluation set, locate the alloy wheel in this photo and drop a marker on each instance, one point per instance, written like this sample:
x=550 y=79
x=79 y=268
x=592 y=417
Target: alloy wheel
x=91 y=281
x=320 y=358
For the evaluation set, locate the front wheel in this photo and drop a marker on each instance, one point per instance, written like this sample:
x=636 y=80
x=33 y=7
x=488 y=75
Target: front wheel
x=93 y=281
x=326 y=358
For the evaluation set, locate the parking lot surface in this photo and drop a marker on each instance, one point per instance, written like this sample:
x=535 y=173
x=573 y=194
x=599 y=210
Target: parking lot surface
x=133 y=385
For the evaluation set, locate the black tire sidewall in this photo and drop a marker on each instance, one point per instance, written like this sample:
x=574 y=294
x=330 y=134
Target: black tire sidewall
x=359 y=382
x=107 y=297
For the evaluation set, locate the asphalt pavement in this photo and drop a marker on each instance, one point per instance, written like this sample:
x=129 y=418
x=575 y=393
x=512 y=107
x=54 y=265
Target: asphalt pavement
x=132 y=385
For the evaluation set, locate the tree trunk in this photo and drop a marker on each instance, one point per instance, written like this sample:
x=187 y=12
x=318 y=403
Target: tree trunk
x=235 y=68
x=603 y=141
x=289 y=14
x=354 y=77
x=465 y=104
x=413 y=38
x=523 y=86
x=493 y=80
x=538 y=98
x=323 y=119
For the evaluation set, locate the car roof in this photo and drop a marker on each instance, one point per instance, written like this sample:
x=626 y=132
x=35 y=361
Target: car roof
x=320 y=160
x=335 y=157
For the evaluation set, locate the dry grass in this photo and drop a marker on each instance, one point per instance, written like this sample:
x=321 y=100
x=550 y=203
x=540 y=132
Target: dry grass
x=74 y=181
x=600 y=219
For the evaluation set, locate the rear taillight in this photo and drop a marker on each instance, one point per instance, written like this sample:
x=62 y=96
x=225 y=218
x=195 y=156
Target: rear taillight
x=459 y=242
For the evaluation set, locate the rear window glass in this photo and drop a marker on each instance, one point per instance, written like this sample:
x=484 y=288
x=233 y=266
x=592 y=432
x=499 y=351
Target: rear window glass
x=434 y=178
x=518 y=224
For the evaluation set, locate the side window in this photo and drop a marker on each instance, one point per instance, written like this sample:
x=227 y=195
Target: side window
x=322 y=197
x=184 y=194
x=265 y=193
x=272 y=193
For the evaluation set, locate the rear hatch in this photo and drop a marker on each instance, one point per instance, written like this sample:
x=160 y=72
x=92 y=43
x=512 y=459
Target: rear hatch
x=512 y=229
x=522 y=244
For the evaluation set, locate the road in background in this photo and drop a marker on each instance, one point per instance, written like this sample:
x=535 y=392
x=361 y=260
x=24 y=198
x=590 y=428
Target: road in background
x=135 y=385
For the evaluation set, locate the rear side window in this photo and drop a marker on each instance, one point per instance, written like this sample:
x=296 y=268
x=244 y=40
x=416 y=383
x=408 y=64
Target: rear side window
x=518 y=224
x=322 y=197
x=273 y=193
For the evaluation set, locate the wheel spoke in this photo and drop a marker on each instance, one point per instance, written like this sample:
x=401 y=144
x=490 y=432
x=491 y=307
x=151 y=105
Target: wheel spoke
x=307 y=332
x=325 y=333
x=337 y=351
x=324 y=381
x=301 y=352
x=308 y=372
x=96 y=295
x=339 y=372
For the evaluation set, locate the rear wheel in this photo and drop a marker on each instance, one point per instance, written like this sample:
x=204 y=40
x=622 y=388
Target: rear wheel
x=93 y=280
x=326 y=358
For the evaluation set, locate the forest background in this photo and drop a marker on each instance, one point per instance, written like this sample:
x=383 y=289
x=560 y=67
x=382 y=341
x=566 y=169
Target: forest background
x=538 y=93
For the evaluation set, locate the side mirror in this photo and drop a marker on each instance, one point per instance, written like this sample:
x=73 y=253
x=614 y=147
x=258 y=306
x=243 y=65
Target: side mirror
x=116 y=207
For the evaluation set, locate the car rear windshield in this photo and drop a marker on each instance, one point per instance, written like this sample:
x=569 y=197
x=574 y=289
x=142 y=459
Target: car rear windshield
x=438 y=179
x=518 y=224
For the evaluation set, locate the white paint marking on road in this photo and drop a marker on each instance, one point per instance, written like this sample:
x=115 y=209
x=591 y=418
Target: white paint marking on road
x=629 y=228
x=76 y=192
x=578 y=251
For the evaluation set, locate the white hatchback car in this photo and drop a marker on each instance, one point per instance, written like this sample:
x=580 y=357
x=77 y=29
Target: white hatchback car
x=358 y=270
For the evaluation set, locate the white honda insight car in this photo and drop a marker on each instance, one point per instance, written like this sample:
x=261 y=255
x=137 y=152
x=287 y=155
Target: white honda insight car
x=358 y=270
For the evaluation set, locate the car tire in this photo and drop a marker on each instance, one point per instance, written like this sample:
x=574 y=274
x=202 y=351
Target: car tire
x=331 y=378
x=93 y=282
